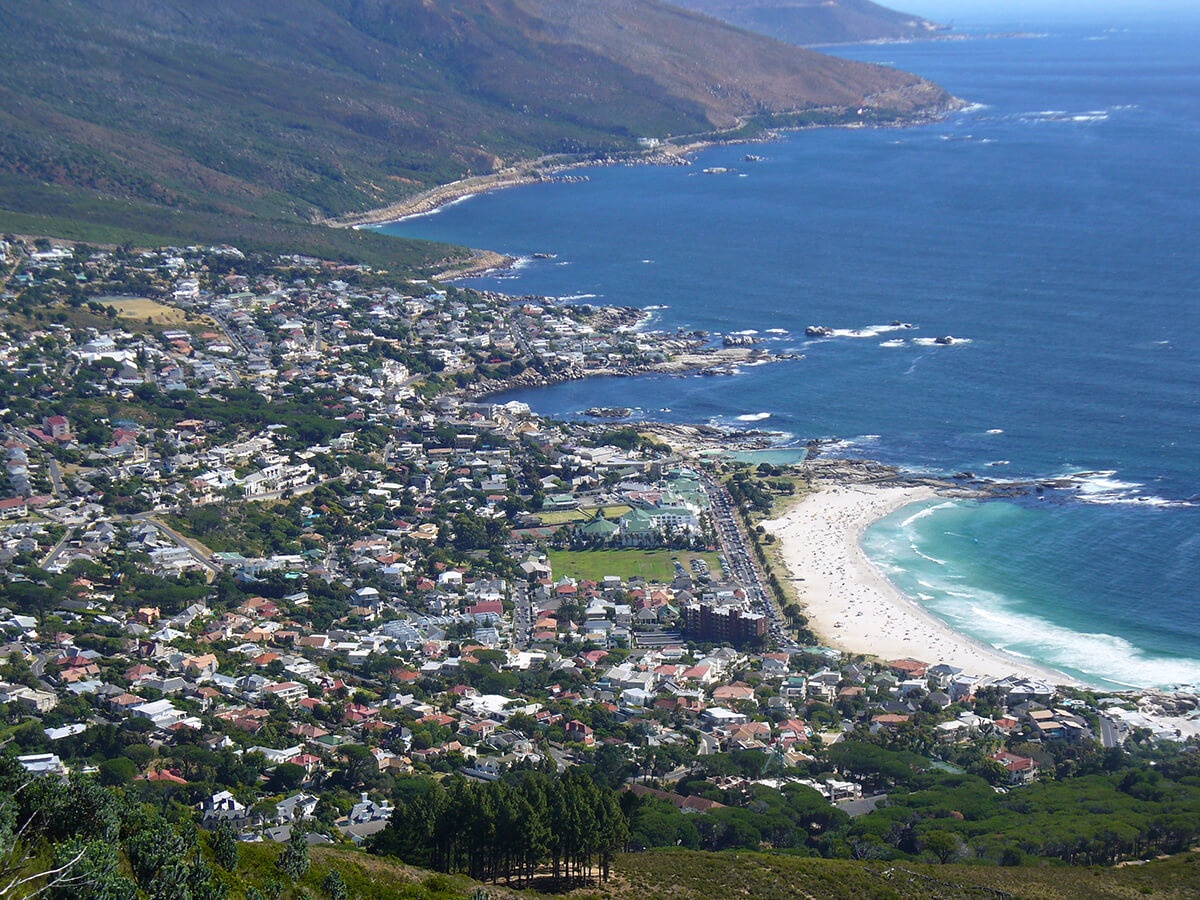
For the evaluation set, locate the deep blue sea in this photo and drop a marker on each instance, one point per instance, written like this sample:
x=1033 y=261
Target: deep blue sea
x=1054 y=227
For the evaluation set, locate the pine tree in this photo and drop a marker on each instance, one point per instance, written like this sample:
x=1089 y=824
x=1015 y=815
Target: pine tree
x=334 y=886
x=293 y=862
x=225 y=847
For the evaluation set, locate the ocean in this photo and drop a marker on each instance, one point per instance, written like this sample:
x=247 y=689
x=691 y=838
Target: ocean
x=1053 y=228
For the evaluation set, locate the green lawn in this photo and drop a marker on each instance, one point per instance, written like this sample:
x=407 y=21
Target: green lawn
x=653 y=565
x=563 y=516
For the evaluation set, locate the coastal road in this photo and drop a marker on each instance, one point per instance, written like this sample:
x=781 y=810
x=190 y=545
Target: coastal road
x=736 y=548
x=1109 y=736
x=522 y=616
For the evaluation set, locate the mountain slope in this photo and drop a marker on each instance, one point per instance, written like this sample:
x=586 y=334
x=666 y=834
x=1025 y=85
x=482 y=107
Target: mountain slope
x=301 y=109
x=807 y=22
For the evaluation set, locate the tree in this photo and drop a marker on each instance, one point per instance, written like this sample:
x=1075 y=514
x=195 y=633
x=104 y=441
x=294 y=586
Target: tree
x=944 y=845
x=120 y=770
x=334 y=885
x=225 y=847
x=287 y=777
x=293 y=862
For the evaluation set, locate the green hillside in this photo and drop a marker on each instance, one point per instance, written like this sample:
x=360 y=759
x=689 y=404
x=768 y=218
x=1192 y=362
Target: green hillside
x=684 y=875
x=173 y=118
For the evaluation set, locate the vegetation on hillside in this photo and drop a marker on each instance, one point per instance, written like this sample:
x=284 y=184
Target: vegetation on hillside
x=808 y=22
x=224 y=121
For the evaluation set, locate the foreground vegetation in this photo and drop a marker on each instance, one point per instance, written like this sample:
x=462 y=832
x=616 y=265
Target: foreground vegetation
x=683 y=875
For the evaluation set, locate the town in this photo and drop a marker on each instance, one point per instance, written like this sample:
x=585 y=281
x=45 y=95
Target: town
x=273 y=546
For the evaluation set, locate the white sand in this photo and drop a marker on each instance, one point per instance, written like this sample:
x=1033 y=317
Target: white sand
x=853 y=607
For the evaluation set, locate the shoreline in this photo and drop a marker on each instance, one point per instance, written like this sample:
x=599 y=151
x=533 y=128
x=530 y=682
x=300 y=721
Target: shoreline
x=556 y=167
x=533 y=171
x=852 y=605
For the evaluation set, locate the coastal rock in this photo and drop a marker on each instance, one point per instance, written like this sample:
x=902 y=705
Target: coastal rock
x=818 y=331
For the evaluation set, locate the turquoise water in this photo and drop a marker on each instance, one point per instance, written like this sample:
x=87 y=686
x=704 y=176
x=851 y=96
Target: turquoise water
x=770 y=457
x=1054 y=227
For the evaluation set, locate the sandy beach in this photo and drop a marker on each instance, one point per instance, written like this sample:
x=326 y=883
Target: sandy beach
x=852 y=606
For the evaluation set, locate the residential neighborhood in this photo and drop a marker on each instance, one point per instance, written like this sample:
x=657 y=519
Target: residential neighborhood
x=273 y=544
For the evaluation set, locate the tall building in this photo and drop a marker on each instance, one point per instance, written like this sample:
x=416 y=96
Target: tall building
x=711 y=624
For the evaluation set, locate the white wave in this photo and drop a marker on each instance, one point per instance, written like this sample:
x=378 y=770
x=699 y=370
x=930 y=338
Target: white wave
x=565 y=262
x=1000 y=462
x=1104 y=657
x=1102 y=482
x=749 y=332
x=753 y=417
x=652 y=308
x=940 y=562
x=949 y=341
x=1102 y=488
x=437 y=210
x=570 y=297
x=1059 y=115
x=847 y=445
x=869 y=331
x=647 y=261
x=777 y=331
x=854 y=333
x=995 y=431
x=998 y=620
x=926 y=512
x=898 y=342
x=971 y=108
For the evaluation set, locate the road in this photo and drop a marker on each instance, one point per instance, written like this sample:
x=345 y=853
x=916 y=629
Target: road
x=739 y=562
x=1109 y=735
x=523 y=615
x=56 y=482
x=198 y=551
x=57 y=549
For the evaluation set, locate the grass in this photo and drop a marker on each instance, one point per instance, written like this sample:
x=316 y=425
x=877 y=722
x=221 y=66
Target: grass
x=143 y=308
x=681 y=875
x=653 y=565
x=684 y=875
x=566 y=516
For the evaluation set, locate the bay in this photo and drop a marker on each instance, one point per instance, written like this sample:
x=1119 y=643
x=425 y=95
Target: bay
x=1052 y=227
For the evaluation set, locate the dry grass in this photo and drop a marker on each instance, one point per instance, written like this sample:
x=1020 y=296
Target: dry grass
x=141 y=308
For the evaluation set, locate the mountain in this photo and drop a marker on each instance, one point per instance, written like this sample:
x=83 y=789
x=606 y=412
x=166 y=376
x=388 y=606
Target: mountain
x=177 y=117
x=808 y=22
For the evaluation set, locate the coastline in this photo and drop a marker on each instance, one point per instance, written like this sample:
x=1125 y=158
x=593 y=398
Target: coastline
x=853 y=606
x=556 y=167
x=533 y=171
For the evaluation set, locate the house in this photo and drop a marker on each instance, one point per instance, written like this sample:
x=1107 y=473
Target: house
x=577 y=731
x=295 y=808
x=42 y=764
x=1021 y=769
x=223 y=807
